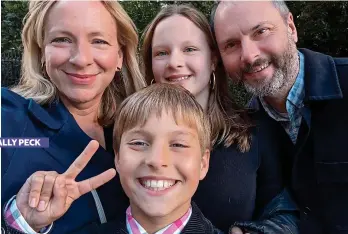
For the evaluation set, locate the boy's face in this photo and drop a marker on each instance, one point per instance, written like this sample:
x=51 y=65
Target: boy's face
x=160 y=165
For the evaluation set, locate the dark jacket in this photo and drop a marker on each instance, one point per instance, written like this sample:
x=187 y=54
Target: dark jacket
x=240 y=186
x=25 y=118
x=197 y=224
x=316 y=168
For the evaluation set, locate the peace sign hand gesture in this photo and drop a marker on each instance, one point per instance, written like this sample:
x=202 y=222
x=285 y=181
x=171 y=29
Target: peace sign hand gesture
x=47 y=195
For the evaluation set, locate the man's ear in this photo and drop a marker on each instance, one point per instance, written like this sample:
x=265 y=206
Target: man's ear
x=292 y=28
x=204 y=164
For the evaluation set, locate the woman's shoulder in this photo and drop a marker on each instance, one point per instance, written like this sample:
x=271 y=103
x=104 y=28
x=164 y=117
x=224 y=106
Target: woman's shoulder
x=17 y=110
x=11 y=100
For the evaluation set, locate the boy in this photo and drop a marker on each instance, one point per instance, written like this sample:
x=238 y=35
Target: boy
x=162 y=149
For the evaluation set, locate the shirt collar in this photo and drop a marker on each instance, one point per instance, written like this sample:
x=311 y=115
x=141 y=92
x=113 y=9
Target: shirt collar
x=295 y=96
x=176 y=227
x=297 y=92
x=321 y=77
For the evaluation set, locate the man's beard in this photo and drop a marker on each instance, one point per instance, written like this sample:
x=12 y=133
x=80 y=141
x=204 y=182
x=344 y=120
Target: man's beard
x=285 y=69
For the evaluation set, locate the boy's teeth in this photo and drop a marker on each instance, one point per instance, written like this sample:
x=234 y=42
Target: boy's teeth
x=157 y=184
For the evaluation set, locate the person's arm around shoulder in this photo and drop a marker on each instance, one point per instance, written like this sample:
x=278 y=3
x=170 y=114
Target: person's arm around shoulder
x=275 y=212
x=279 y=216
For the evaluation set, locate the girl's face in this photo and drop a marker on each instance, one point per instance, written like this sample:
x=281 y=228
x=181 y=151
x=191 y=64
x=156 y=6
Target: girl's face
x=181 y=55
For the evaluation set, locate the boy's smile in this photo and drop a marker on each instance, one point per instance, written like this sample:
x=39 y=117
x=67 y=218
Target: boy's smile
x=160 y=165
x=157 y=185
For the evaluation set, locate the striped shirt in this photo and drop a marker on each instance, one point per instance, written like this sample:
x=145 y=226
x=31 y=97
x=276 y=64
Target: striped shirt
x=176 y=227
x=14 y=219
x=291 y=121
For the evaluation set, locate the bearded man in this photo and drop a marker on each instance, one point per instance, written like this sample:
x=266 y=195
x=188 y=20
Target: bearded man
x=302 y=94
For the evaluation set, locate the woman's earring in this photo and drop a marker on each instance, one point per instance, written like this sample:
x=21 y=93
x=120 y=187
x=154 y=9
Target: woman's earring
x=43 y=70
x=152 y=81
x=212 y=83
x=118 y=75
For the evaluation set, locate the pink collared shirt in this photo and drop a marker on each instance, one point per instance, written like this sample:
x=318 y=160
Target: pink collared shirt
x=176 y=227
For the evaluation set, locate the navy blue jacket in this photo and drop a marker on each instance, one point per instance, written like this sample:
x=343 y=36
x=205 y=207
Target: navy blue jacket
x=316 y=168
x=237 y=188
x=197 y=224
x=25 y=118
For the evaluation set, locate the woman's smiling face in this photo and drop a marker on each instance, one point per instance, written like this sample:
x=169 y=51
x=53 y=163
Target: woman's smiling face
x=81 y=50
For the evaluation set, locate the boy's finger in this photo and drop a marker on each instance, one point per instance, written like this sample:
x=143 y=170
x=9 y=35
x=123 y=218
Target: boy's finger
x=36 y=181
x=47 y=190
x=82 y=160
x=96 y=181
x=59 y=199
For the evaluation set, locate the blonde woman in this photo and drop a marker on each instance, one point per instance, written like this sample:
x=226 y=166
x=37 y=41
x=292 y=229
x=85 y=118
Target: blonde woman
x=71 y=84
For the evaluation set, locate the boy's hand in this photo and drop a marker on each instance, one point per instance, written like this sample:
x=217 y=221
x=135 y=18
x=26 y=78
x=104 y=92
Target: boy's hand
x=47 y=195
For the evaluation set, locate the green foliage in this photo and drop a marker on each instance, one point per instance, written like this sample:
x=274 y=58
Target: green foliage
x=12 y=14
x=142 y=12
x=321 y=26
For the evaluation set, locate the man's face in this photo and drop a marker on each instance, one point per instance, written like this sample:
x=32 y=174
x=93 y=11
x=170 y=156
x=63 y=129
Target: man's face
x=257 y=46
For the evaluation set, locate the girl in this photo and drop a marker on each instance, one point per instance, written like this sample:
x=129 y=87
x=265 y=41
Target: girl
x=244 y=175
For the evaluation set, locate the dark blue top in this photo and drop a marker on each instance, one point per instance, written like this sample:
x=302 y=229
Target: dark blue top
x=317 y=166
x=239 y=185
x=25 y=118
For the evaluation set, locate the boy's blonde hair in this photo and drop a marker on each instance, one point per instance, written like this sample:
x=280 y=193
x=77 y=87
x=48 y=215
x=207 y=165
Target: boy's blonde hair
x=175 y=100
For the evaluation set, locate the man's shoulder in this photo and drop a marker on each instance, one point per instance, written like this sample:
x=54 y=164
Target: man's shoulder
x=341 y=61
x=309 y=54
x=12 y=100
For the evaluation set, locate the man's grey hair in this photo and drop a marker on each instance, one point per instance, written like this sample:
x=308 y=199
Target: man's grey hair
x=280 y=5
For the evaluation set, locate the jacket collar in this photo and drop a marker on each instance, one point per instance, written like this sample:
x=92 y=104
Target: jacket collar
x=66 y=139
x=54 y=116
x=198 y=224
x=321 y=79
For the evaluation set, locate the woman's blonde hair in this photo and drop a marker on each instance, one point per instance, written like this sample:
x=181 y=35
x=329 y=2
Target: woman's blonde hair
x=229 y=125
x=33 y=83
x=156 y=99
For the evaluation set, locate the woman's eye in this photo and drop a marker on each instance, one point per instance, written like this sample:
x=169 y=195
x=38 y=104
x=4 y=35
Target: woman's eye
x=100 y=41
x=61 y=40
